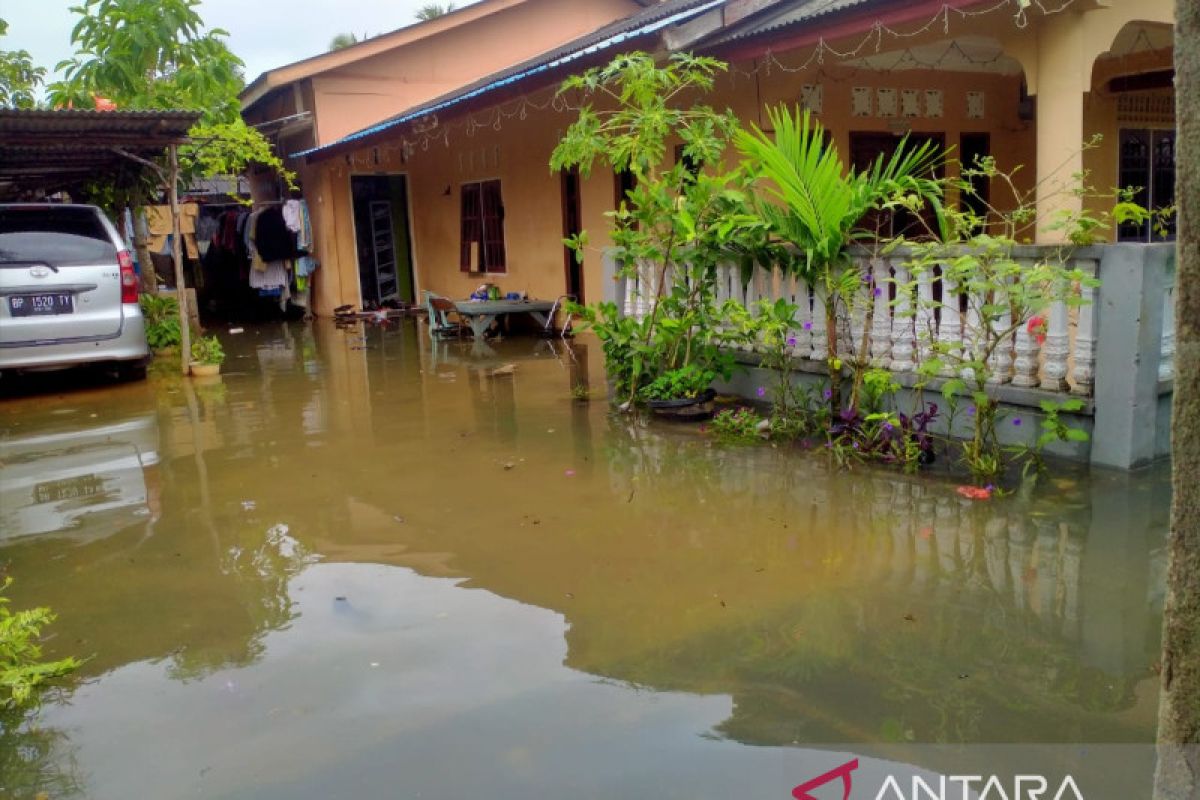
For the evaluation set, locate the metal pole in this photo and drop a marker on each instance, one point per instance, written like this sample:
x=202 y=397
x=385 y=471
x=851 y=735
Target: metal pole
x=185 y=331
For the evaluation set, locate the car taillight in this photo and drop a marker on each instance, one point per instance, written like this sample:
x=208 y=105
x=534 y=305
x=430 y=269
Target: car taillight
x=129 y=279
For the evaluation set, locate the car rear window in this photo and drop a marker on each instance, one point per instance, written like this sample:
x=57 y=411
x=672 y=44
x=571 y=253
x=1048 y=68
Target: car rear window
x=61 y=237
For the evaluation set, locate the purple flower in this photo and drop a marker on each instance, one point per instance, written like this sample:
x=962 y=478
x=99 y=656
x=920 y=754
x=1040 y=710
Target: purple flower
x=791 y=341
x=970 y=411
x=1017 y=422
x=808 y=325
x=761 y=392
x=856 y=445
x=828 y=393
x=878 y=291
x=991 y=487
x=887 y=426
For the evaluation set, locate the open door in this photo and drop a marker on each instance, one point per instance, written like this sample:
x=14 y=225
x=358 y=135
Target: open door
x=382 y=237
x=572 y=215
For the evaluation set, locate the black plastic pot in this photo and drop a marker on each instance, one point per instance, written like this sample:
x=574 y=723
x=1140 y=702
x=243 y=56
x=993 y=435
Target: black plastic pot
x=686 y=409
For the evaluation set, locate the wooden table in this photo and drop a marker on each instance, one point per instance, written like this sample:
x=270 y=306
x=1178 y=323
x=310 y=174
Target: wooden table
x=480 y=314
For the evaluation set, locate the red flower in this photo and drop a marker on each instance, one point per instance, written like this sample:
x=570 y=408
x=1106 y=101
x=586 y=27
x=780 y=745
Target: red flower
x=1037 y=329
x=974 y=492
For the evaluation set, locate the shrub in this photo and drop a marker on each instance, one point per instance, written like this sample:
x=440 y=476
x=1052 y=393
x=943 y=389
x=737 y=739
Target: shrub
x=738 y=424
x=684 y=383
x=22 y=670
x=161 y=313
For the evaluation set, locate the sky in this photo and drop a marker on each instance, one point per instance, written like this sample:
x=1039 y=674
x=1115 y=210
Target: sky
x=263 y=33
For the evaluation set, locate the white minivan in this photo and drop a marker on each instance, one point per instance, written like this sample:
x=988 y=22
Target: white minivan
x=68 y=291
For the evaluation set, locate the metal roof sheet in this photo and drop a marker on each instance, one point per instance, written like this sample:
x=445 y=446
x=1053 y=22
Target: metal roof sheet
x=784 y=15
x=642 y=23
x=157 y=125
x=52 y=150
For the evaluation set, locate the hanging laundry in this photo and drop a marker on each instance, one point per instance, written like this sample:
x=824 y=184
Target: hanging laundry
x=274 y=274
x=272 y=238
x=291 y=215
x=159 y=219
x=257 y=262
x=307 y=263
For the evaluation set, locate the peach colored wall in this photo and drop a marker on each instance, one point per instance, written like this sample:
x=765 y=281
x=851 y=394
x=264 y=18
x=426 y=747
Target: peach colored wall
x=519 y=153
x=363 y=93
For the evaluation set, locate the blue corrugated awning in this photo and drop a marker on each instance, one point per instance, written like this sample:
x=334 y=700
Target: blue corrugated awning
x=641 y=24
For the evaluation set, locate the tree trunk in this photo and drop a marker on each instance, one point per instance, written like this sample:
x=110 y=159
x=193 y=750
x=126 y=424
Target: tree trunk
x=1178 y=773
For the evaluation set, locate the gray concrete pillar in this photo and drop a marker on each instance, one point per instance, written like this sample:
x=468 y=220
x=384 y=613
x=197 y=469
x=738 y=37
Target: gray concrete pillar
x=1128 y=347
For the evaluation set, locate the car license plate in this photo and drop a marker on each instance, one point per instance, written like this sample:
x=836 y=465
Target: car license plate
x=36 y=305
x=68 y=489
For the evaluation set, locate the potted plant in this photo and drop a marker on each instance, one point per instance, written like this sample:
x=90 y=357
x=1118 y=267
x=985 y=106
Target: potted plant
x=685 y=393
x=207 y=356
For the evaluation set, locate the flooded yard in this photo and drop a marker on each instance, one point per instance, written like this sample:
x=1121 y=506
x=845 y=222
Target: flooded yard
x=362 y=565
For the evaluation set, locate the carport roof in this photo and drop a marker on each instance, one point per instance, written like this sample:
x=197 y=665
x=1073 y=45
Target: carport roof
x=55 y=150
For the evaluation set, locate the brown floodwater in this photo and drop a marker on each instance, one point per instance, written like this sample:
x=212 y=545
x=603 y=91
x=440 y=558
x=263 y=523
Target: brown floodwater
x=361 y=565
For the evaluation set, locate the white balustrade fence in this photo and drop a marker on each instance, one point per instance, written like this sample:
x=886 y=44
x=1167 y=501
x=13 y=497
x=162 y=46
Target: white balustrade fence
x=904 y=327
x=1113 y=345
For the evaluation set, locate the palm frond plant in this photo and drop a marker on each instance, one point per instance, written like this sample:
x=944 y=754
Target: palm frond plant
x=810 y=200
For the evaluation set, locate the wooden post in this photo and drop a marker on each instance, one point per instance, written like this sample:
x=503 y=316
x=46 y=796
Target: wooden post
x=185 y=332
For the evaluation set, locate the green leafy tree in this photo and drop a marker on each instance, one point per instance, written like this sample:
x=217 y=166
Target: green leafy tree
x=157 y=54
x=433 y=11
x=149 y=54
x=342 y=41
x=815 y=204
x=683 y=218
x=19 y=78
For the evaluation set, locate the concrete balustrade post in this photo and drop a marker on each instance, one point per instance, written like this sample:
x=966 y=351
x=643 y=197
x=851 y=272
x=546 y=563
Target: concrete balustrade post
x=1084 y=355
x=1056 y=349
x=881 y=326
x=950 y=330
x=902 y=323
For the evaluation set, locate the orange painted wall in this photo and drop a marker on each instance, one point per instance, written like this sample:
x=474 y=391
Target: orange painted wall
x=518 y=154
x=368 y=91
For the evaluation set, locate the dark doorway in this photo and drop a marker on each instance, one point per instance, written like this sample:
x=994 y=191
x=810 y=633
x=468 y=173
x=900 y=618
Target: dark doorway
x=974 y=148
x=572 y=216
x=382 y=238
x=865 y=147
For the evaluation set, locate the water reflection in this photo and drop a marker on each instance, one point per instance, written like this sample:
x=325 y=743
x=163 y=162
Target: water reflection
x=81 y=482
x=608 y=580
x=36 y=760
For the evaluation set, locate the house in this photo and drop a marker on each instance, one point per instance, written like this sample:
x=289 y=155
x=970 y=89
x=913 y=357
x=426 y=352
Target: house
x=1025 y=83
x=324 y=99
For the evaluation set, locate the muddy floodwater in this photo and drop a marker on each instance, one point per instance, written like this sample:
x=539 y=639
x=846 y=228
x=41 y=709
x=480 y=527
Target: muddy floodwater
x=362 y=565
